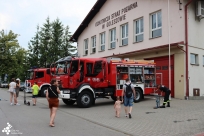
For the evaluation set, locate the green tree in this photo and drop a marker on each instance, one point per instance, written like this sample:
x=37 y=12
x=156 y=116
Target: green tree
x=34 y=49
x=45 y=43
x=57 y=40
x=21 y=66
x=11 y=56
x=68 y=48
x=50 y=43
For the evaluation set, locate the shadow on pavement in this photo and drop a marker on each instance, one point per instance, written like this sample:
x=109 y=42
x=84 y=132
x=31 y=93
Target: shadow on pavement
x=104 y=103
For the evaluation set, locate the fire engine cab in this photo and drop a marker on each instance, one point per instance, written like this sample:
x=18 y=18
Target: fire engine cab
x=40 y=75
x=86 y=79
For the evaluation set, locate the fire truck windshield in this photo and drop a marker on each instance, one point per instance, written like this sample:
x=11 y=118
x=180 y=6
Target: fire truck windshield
x=62 y=67
x=30 y=75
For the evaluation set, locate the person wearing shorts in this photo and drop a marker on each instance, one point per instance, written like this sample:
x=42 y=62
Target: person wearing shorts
x=128 y=102
x=12 y=90
x=52 y=97
x=35 y=89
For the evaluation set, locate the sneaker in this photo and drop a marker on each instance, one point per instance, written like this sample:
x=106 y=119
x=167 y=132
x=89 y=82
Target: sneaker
x=126 y=115
x=130 y=115
x=11 y=104
x=17 y=104
x=34 y=104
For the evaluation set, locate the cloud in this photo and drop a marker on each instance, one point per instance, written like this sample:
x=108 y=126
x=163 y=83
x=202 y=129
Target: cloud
x=23 y=16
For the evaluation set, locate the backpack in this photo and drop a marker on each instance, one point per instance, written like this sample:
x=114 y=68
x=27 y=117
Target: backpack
x=128 y=91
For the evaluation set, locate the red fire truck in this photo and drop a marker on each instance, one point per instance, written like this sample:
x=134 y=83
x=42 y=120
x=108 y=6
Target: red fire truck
x=40 y=75
x=83 y=80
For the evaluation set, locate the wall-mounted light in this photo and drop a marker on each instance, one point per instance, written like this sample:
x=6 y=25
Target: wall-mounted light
x=179 y=2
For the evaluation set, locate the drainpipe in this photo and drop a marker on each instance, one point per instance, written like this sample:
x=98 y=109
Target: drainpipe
x=186 y=39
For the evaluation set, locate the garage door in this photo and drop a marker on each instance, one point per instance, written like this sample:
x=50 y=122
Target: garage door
x=162 y=70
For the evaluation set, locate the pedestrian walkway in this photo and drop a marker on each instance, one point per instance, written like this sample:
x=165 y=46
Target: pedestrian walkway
x=183 y=118
x=34 y=121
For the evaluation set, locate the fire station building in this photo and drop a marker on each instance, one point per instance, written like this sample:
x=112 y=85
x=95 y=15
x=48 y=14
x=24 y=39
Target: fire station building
x=150 y=30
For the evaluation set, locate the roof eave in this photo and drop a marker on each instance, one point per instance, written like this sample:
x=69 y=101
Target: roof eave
x=94 y=10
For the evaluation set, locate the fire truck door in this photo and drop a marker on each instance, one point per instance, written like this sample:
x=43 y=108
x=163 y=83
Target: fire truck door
x=88 y=69
x=74 y=75
x=40 y=77
x=81 y=71
x=35 y=77
x=105 y=70
x=102 y=76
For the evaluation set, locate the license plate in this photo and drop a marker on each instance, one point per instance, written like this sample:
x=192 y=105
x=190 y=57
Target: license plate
x=66 y=91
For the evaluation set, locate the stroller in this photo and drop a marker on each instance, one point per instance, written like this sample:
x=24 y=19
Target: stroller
x=158 y=98
x=157 y=101
x=27 y=85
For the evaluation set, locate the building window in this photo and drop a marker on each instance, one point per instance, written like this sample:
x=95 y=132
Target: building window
x=93 y=43
x=124 y=35
x=102 y=41
x=158 y=67
x=156 y=24
x=194 y=59
x=139 y=30
x=112 y=38
x=203 y=60
x=165 y=67
x=86 y=47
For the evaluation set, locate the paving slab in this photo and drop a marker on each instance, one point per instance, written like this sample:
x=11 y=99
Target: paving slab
x=183 y=118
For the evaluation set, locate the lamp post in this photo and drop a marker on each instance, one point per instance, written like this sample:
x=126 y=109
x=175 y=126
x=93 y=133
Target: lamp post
x=169 y=37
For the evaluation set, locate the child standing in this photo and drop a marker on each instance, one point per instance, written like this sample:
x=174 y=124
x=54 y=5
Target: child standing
x=35 y=89
x=117 y=107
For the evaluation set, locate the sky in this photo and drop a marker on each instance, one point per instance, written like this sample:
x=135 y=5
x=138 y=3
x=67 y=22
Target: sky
x=23 y=16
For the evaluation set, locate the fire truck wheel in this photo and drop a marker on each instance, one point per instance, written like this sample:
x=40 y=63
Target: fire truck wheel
x=138 y=95
x=113 y=98
x=68 y=102
x=85 y=99
x=42 y=94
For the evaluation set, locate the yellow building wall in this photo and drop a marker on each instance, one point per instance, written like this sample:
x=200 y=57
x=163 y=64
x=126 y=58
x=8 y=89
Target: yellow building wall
x=179 y=75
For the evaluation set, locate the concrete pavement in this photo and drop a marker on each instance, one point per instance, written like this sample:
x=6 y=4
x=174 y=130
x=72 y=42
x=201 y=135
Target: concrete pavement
x=34 y=121
x=183 y=118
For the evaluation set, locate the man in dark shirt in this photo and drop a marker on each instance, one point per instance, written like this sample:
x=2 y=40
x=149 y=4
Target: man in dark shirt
x=166 y=97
